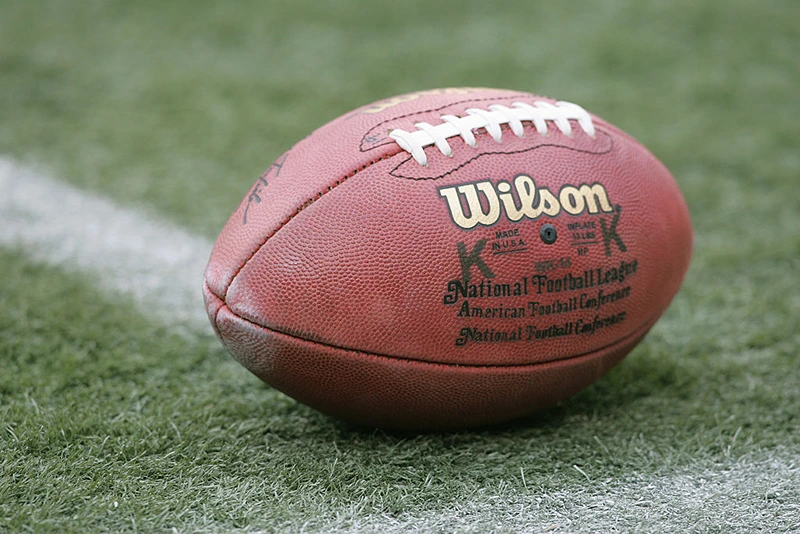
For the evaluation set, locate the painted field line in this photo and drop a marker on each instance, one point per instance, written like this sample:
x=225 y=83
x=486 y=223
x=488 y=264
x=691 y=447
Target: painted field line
x=741 y=496
x=128 y=251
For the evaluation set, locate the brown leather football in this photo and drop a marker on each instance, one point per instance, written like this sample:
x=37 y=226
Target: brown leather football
x=448 y=258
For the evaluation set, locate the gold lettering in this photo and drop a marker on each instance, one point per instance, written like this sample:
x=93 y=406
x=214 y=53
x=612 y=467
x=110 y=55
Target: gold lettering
x=594 y=194
x=530 y=201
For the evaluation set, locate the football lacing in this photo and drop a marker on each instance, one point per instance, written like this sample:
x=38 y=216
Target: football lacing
x=491 y=119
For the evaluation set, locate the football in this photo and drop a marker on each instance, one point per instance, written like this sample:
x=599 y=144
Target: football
x=449 y=258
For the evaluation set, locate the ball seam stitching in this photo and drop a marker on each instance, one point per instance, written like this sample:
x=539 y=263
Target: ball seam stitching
x=302 y=207
x=395 y=174
x=431 y=110
x=639 y=330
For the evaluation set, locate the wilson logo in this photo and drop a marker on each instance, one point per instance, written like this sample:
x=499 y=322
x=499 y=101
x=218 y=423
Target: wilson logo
x=531 y=201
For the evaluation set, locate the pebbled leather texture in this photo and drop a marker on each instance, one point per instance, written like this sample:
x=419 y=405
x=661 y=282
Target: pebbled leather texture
x=350 y=279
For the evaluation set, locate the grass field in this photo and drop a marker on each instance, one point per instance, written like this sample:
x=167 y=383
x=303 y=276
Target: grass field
x=118 y=417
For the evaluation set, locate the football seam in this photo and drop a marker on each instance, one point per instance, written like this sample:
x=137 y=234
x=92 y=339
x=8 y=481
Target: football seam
x=645 y=326
x=302 y=207
x=429 y=110
x=481 y=154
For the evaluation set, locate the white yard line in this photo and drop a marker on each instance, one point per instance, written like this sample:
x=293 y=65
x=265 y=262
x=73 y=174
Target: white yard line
x=734 y=497
x=160 y=266
x=128 y=251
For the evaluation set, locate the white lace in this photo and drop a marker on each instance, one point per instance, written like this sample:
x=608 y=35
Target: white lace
x=539 y=114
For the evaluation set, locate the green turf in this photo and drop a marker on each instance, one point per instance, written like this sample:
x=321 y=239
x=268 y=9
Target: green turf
x=177 y=106
x=111 y=423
